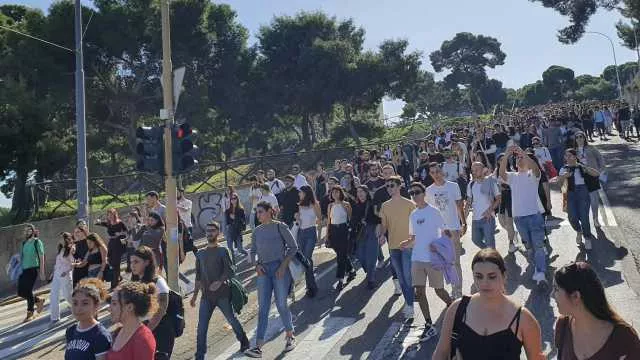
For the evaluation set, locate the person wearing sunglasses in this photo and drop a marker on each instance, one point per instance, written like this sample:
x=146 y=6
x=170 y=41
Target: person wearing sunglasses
x=272 y=248
x=394 y=214
x=589 y=328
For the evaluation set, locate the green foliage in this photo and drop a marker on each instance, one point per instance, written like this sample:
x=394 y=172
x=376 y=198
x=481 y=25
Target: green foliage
x=558 y=80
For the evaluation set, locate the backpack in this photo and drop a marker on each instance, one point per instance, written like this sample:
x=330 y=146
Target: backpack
x=175 y=312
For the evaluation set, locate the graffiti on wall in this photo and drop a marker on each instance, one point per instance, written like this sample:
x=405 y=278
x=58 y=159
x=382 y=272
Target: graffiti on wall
x=209 y=208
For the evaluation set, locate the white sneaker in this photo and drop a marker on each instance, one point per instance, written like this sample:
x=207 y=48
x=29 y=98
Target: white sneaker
x=513 y=248
x=539 y=277
x=408 y=312
x=579 y=238
x=587 y=243
x=398 y=289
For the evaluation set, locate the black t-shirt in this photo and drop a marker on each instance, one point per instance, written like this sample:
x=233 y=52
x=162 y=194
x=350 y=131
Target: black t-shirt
x=501 y=139
x=88 y=343
x=373 y=184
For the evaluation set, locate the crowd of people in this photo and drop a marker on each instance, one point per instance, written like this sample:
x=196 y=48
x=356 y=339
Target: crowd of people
x=416 y=198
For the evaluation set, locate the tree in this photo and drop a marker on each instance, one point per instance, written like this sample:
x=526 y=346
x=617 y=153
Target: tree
x=467 y=56
x=601 y=90
x=579 y=13
x=429 y=98
x=535 y=94
x=627 y=73
x=491 y=94
x=559 y=80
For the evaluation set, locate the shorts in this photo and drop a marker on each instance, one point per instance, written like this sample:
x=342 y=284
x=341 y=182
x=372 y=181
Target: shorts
x=422 y=271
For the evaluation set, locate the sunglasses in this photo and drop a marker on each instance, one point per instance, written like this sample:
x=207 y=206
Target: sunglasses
x=579 y=137
x=234 y=198
x=415 y=193
x=391 y=185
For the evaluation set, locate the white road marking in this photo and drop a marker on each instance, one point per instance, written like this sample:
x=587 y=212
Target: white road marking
x=322 y=338
x=610 y=218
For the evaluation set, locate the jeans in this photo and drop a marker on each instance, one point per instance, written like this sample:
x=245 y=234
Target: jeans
x=483 y=233
x=401 y=261
x=307 y=239
x=204 y=316
x=531 y=229
x=367 y=252
x=60 y=284
x=500 y=150
x=578 y=204
x=267 y=285
x=557 y=156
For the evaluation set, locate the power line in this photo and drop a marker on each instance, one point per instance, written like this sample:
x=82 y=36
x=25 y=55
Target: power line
x=35 y=38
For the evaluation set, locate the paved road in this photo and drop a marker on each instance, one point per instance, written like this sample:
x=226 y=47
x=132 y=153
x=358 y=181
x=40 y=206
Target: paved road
x=361 y=324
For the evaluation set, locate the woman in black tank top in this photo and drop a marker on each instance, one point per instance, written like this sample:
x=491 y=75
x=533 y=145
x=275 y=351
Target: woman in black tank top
x=489 y=325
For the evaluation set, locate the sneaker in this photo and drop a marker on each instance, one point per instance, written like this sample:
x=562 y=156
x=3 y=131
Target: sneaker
x=380 y=264
x=352 y=275
x=30 y=316
x=539 y=277
x=255 y=353
x=428 y=333
x=408 y=312
x=398 y=289
x=39 y=305
x=587 y=243
x=340 y=285
x=513 y=248
x=291 y=344
x=579 y=239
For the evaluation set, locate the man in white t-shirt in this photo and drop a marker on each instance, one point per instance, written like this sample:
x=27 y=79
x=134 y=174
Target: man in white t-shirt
x=255 y=194
x=445 y=196
x=276 y=185
x=300 y=179
x=484 y=198
x=425 y=226
x=525 y=208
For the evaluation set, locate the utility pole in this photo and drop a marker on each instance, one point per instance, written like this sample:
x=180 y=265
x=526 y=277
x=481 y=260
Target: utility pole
x=170 y=181
x=615 y=60
x=82 y=174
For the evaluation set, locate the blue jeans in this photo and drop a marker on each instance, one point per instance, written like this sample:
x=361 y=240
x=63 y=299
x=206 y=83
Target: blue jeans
x=557 y=156
x=401 y=261
x=367 y=252
x=500 y=150
x=204 y=315
x=578 y=205
x=307 y=239
x=267 y=285
x=483 y=233
x=531 y=229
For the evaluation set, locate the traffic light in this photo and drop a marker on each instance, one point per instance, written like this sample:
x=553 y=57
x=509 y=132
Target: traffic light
x=184 y=151
x=150 y=149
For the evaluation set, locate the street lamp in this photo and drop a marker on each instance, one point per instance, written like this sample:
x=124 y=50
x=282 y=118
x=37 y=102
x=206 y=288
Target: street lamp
x=615 y=61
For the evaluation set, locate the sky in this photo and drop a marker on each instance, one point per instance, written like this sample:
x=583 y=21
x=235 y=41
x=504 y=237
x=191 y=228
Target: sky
x=526 y=30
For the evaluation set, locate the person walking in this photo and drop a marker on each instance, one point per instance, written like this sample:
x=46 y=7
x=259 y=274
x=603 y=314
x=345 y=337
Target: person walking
x=489 y=325
x=363 y=227
x=308 y=218
x=580 y=180
x=505 y=216
x=236 y=223
x=484 y=198
x=588 y=327
x=117 y=244
x=96 y=258
x=526 y=207
x=214 y=268
x=32 y=262
x=152 y=236
x=272 y=248
x=255 y=193
x=289 y=199
x=338 y=235
x=61 y=279
x=134 y=224
x=590 y=156
x=87 y=339
x=184 y=207
x=145 y=270
x=395 y=215
x=446 y=197
x=80 y=242
x=130 y=303
x=426 y=224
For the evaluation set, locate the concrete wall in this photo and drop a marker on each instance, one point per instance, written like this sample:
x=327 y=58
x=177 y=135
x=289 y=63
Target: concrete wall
x=206 y=206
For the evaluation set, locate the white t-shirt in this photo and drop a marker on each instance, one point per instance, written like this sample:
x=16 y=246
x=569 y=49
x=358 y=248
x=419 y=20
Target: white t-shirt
x=542 y=153
x=276 y=186
x=426 y=225
x=257 y=195
x=185 y=215
x=271 y=199
x=577 y=175
x=524 y=193
x=451 y=172
x=300 y=181
x=444 y=199
x=481 y=201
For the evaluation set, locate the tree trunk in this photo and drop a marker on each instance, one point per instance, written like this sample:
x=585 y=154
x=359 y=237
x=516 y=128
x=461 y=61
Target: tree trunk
x=306 y=135
x=352 y=129
x=325 y=132
x=314 y=136
x=20 y=201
